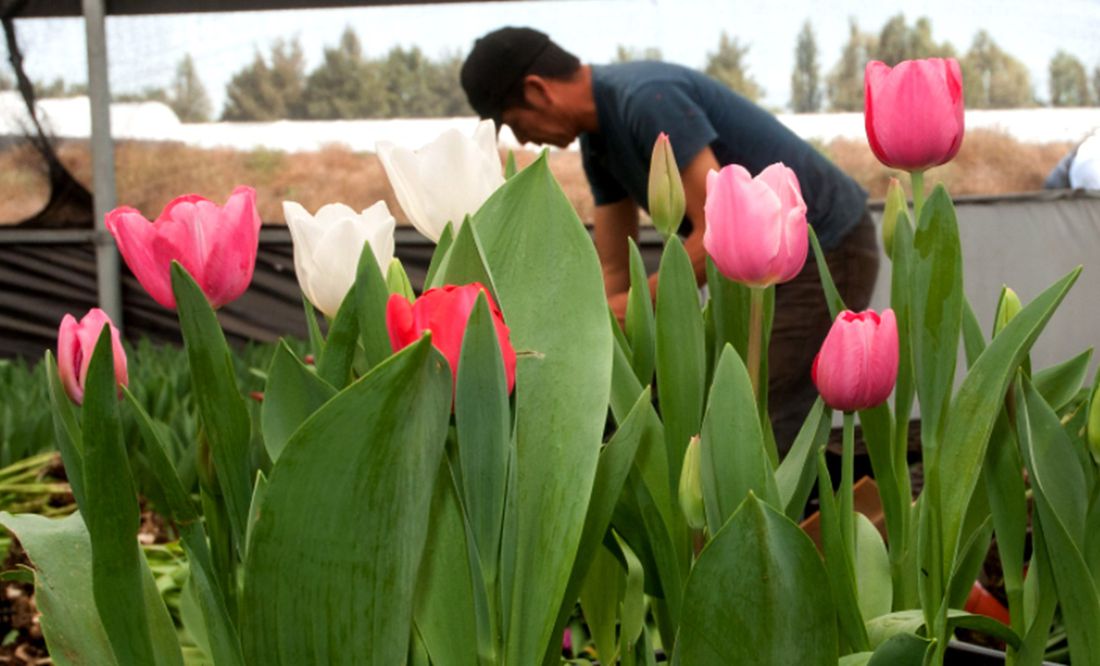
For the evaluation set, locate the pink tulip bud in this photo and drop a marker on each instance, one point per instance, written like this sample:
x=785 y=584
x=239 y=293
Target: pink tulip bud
x=756 y=229
x=75 y=344
x=444 y=311
x=914 y=112
x=858 y=362
x=216 y=244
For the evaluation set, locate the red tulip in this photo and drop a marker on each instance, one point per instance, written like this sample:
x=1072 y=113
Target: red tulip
x=75 y=344
x=858 y=362
x=444 y=311
x=756 y=227
x=914 y=112
x=217 y=245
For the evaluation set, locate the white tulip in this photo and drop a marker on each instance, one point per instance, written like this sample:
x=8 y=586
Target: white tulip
x=445 y=180
x=327 y=248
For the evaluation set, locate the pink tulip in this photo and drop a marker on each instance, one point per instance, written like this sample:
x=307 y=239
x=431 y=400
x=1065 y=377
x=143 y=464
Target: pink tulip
x=217 y=245
x=914 y=112
x=858 y=362
x=444 y=311
x=75 y=344
x=756 y=227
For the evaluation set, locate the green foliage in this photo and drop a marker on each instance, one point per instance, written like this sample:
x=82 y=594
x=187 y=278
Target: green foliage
x=187 y=96
x=1069 y=84
x=897 y=41
x=268 y=89
x=992 y=78
x=844 y=84
x=346 y=84
x=805 y=78
x=727 y=64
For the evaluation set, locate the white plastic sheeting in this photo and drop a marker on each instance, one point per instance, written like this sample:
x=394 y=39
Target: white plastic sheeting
x=70 y=118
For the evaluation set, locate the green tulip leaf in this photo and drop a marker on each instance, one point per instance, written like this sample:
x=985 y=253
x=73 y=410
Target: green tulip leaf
x=444 y=605
x=639 y=319
x=974 y=411
x=442 y=247
x=616 y=459
x=795 y=476
x=876 y=591
x=936 y=297
x=371 y=295
x=901 y=650
x=1059 y=484
x=334 y=364
x=832 y=296
x=61 y=554
x=1060 y=384
x=733 y=457
x=483 y=421
x=549 y=286
x=881 y=629
x=67 y=433
x=601 y=596
x=316 y=339
x=112 y=516
x=680 y=354
x=397 y=280
x=291 y=395
x=1005 y=489
x=465 y=263
x=838 y=560
x=755 y=596
x=364 y=462
x=213 y=618
x=227 y=425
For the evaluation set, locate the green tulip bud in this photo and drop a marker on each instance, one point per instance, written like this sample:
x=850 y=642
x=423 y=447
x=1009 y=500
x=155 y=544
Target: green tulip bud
x=895 y=206
x=1008 y=306
x=666 y=190
x=1092 y=430
x=691 y=487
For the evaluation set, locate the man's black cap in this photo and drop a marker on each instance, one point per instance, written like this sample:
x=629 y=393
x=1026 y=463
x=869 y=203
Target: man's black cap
x=497 y=64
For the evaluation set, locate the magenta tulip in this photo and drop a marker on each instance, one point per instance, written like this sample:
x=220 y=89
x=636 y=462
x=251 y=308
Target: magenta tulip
x=444 y=311
x=858 y=362
x=914 y=112
x=756 y=227
x=76 y=342
x=216 y=244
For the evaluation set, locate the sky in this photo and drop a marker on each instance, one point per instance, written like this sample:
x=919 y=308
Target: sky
x=144 y=50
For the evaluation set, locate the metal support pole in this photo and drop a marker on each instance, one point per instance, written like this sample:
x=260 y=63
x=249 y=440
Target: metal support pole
x=103 y=160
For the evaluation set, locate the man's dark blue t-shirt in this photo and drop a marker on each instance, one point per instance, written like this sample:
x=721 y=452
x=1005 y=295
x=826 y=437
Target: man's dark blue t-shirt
x=636 y=101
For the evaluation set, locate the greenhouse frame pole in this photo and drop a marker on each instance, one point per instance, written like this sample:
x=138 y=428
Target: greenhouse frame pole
x=109 y=287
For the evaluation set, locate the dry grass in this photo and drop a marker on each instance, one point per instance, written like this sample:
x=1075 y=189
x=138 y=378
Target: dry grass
x=151 y=174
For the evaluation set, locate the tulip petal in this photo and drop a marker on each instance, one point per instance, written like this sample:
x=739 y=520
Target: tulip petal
x=401 y=168
x=69 y=358
x=135 y=237
x=231 y=257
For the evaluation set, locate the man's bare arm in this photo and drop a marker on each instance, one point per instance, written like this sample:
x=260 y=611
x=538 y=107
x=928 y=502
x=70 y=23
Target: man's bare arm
x=615 y=223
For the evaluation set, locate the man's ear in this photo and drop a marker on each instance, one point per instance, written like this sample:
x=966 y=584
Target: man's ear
x=537 y=91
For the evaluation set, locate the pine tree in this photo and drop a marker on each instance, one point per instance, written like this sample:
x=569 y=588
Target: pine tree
x=188 y=97
x=993 y=79
x=897 y=42
x=845 y=82
x=346 y=85
x=1069 y=84
x=268 y=89
x=726 y=64
x=805 y=81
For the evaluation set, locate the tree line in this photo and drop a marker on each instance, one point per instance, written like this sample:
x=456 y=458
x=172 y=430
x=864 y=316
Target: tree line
x=407 y=83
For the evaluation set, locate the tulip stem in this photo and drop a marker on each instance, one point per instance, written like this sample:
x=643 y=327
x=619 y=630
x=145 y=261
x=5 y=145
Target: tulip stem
x=847 y=471
x=756 y=332
x=916 y=179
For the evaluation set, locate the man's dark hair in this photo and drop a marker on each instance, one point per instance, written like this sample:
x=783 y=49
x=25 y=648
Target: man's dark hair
x=493 y=73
